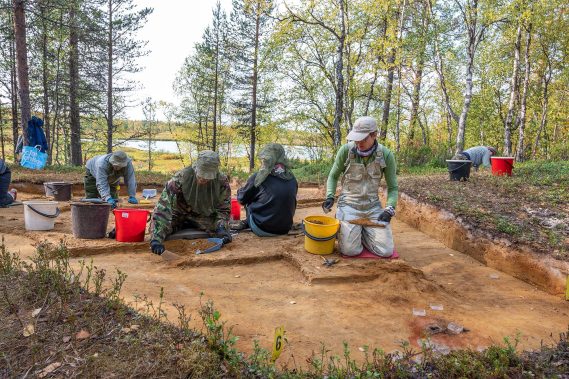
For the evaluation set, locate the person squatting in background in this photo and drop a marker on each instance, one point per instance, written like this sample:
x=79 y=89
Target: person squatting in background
x=103 y=174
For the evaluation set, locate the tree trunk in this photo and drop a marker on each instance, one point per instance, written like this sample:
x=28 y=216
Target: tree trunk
x=44 y=58
x=215 y=91
x=339 y=105
x=74 y=119
x=418 y=78
x=22 y=66
x=398 y=121
x=438 y=61
x=520 y=153
x=513 y=94
x=110 y=81
x=543 y=124
x=387 y=98
x=474 y=38
x=253 y=130
x=400 y=14
x=2 y=133
x=14 y=98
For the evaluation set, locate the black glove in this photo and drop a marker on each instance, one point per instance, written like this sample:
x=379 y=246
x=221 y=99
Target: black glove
x=387 y=213
x=156 y=247
x=328 y=204
x=224 y=235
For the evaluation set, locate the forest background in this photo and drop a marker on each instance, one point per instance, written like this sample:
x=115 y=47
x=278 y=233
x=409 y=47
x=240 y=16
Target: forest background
x=439 y=76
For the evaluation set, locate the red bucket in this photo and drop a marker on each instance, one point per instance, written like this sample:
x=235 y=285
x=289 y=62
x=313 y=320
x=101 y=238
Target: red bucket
x=235 y=210
x=502 y=165
x=131 y=224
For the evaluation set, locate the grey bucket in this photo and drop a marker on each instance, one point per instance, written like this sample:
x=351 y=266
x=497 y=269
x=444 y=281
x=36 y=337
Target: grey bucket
x=90 y=220
x=61 y=191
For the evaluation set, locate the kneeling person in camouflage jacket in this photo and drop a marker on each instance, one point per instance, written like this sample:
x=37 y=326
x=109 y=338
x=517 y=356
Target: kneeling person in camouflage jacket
x=199 y=197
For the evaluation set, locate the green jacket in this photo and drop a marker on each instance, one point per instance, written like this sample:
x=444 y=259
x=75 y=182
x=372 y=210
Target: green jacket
x=389 y=172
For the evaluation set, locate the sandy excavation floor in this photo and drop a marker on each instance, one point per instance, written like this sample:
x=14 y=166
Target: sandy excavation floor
x=259 y=284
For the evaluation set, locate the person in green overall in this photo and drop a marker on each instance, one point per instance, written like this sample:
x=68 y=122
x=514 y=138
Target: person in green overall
x=103 y=175
x=198 y=197
x=363 y=162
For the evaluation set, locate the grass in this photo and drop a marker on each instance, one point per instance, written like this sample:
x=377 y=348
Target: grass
x=529 y=207
x=60 y=322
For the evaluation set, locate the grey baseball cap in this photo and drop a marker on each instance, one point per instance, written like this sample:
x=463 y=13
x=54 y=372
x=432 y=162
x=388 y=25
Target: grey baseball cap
x=207 y=164
x=362 y=128
x=119 y=159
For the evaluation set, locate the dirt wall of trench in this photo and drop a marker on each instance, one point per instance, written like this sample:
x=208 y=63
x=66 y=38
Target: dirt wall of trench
x=547 y=273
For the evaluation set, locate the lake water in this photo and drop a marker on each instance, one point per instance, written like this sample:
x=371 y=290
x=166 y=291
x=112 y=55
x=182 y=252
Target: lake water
x=233 y=150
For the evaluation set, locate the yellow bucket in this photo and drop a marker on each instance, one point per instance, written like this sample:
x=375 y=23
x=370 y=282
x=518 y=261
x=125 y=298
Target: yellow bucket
x=320 y=234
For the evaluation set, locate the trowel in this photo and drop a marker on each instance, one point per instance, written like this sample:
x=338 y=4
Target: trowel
x=168 y=256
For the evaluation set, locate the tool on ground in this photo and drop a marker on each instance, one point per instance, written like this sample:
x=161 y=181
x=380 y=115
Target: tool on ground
x=329 y=262
x=218 y=244
x=168 y=256
x=148 y=193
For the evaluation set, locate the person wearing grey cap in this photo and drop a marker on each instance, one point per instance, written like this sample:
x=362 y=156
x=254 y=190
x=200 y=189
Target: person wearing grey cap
x=6 y=197
x=103 y=173
x=196 y=197
x=363 y=162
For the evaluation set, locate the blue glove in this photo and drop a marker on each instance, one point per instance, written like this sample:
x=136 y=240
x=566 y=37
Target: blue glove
x=156 y=247
x=113 y=202
x=132 y=200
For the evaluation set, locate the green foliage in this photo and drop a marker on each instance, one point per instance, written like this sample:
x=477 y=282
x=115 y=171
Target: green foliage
x=314 y=172
x=424 y=156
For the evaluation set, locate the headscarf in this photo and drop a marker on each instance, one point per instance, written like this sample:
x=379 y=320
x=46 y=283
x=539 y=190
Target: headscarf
x=203 y=198
x=273 y=162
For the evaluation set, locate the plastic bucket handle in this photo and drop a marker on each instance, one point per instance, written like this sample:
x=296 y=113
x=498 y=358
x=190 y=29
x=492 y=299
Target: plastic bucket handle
x=52 y=188
x=57 y=212
x=459 y=167
x=317 y=239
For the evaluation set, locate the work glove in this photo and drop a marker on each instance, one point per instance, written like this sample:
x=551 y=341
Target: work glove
x=132 y=200
x=328 y=204
x=113 y=202
x=386 y=215
x=224 y=235
x=156 y=247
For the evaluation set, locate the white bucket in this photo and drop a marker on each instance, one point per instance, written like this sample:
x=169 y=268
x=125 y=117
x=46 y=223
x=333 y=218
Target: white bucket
x=40 y=215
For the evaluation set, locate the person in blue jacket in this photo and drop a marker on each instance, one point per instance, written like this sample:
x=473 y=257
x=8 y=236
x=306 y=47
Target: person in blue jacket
x=36 y=136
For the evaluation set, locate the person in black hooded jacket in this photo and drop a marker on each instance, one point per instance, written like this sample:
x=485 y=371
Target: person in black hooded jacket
x=269 y=196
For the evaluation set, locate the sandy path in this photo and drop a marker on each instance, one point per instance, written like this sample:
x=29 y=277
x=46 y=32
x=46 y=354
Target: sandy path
x=259 y=284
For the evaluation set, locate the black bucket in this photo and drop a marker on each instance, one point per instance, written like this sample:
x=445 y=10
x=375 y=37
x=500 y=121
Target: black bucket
x=459 y=169
x=61 y=191
x=90 y=220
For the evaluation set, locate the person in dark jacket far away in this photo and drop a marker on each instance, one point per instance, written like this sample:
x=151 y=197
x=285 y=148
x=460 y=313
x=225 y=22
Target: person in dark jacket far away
x=479 y=155
x=104 y=173
x=269 y=196
x=6 y=197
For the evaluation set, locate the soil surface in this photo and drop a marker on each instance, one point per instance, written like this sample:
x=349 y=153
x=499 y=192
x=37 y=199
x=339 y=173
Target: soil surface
x=259 y=284
x=530 y=209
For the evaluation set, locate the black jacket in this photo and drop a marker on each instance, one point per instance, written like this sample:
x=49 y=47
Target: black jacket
x=272 y=204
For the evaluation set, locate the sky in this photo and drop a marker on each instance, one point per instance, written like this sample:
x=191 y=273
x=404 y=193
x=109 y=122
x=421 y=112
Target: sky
x=171 y=31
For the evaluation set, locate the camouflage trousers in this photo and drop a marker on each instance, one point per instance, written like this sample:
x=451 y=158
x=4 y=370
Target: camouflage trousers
x=91 y=190
x=181 y=221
